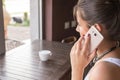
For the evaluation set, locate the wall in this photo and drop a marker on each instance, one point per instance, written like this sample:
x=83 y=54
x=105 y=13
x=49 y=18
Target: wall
x=59 y=13
x=2 y=39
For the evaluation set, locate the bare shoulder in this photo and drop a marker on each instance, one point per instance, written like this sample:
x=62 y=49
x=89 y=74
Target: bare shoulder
x=105 y=71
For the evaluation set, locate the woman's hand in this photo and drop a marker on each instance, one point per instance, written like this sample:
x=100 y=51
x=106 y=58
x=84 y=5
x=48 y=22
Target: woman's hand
x=80 y=55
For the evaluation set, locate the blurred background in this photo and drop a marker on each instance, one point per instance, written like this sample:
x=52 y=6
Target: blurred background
x=16 y=22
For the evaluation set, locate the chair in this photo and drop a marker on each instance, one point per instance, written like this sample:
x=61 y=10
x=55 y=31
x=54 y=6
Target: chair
x=70 y=40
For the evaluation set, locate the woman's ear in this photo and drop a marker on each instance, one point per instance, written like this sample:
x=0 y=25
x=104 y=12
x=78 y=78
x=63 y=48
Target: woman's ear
x=98 y=27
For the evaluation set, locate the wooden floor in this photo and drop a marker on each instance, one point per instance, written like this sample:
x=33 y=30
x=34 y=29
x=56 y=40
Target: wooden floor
x=23 y=63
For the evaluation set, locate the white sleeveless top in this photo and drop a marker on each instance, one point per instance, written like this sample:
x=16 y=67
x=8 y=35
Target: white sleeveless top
x=115 y=61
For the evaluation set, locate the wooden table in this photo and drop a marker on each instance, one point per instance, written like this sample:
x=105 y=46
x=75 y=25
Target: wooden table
x=23 y=63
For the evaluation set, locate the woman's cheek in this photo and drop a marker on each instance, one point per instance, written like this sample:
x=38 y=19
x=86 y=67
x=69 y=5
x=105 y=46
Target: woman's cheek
x=83 y=31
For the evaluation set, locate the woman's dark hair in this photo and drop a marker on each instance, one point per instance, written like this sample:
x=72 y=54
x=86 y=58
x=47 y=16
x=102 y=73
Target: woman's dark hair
x=104 y=12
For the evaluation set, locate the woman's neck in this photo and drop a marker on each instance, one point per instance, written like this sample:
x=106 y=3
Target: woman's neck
x=104 y=46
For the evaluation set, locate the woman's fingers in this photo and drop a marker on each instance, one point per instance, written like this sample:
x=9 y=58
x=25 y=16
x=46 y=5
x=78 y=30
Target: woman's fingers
x=76 y=49
x=79 y=43
x=80 y=54
x=86 y=47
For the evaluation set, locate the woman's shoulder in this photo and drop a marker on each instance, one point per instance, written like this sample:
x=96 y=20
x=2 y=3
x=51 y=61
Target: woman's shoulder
x=104 y=70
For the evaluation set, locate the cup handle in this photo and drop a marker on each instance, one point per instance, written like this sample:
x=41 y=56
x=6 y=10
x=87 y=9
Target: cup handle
x=50 y=54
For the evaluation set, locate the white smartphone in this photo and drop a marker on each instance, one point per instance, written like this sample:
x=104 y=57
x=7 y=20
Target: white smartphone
x=96 y=38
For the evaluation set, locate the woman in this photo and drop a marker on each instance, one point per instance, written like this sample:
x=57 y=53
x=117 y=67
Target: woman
x=105 y=16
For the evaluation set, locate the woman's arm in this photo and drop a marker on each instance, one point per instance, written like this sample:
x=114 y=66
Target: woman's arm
x=77 y=75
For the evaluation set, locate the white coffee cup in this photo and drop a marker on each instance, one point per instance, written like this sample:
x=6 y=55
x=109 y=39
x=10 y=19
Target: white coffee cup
x=45 y=55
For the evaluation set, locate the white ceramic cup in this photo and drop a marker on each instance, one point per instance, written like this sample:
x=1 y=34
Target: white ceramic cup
x=45 y=55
